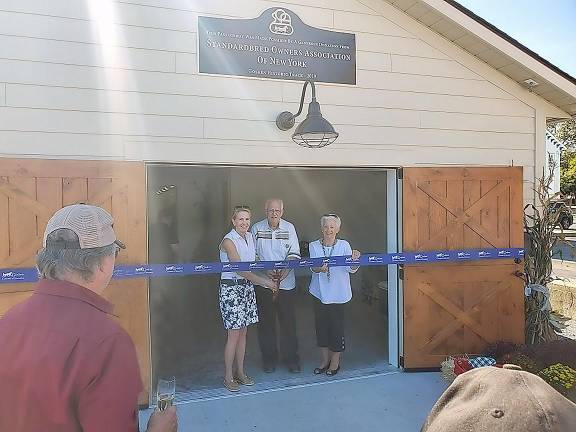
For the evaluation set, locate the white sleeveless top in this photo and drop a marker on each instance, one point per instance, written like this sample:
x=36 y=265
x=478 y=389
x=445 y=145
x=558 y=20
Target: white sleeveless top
x=245 y=248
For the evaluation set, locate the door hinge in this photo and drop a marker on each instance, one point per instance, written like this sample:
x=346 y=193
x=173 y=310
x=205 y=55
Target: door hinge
x=400 y=173
x=401 y=272
x=401 y=362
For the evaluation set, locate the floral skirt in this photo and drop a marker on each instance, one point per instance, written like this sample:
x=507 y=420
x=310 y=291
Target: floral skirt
x=237 y=304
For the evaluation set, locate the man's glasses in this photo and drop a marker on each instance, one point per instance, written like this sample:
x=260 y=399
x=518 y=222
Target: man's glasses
x=274 y=211
x=116 y=250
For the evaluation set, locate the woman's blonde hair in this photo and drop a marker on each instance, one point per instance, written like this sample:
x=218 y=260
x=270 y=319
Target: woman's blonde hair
x=240 y=208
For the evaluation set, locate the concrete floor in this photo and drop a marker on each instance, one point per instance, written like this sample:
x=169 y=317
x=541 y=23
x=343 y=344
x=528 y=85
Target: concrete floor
x=387 y=401
x=188 y=337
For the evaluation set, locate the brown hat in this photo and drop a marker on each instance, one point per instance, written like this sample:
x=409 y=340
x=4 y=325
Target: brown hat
x=93 y=226
x=490 y=399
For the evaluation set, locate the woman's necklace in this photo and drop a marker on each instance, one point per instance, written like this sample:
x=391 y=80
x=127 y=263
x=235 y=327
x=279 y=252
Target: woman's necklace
x=328 y=256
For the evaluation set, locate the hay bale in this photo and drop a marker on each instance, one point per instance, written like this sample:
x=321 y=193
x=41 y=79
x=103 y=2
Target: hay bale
x=563 y=297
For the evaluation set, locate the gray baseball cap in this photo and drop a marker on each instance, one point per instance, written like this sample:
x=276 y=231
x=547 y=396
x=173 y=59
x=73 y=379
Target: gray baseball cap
x=93 y=226
x=491 y=399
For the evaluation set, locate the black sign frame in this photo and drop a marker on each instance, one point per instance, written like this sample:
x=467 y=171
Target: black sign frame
x=276 y=45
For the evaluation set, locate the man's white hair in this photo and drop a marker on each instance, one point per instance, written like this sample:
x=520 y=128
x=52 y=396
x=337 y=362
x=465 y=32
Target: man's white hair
x=271 y=200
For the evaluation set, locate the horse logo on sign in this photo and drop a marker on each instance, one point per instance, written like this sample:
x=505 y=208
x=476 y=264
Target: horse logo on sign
x=282 y=23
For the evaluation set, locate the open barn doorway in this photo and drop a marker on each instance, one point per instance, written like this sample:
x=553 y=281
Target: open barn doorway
x=188 y=214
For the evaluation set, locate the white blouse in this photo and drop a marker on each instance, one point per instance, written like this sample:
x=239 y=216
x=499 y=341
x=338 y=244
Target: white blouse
x=245 y=248
x=337 y=289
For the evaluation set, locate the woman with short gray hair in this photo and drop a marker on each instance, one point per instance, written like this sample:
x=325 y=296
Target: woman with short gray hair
x=331 y=289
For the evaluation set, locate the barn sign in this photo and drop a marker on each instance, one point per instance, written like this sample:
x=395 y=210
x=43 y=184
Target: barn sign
x=276 y=45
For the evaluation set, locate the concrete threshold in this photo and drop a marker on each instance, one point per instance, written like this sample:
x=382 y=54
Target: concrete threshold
x=390 y=400
x=301 y=381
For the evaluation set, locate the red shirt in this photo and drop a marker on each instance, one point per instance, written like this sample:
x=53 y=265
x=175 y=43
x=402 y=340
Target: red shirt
x=66 y=365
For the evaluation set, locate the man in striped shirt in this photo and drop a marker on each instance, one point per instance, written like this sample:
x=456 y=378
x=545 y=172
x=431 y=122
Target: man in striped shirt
x=276 y=240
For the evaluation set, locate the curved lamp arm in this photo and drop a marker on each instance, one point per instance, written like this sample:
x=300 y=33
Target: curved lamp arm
x=286 y=119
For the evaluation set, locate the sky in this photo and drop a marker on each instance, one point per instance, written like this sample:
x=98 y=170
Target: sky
x=547 y=27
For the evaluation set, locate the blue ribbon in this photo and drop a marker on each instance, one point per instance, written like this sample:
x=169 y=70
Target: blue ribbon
x=20 y=275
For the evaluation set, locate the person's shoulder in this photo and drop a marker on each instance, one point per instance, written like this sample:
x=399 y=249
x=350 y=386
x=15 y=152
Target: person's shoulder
x=16 y=318
x=121 y=337
x=315 y=249
x=287 y=224
x=112 y=351
x=260 y=225
x=67 y=321
x=230 y=235
x=102 y=327
x=226 y=243
x=344 y=244
x=17 y=312
x=83 y=321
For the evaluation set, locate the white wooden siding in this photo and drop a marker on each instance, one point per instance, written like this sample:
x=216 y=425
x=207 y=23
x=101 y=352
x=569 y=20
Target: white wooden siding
x=352 y=154
x=39 y=120
x=62 y=145
x=431 y=67
x=118 y=80
x=428 y=84
x=79 y=30
x=71 y=99
x=74 y=53
x=382 y=43
x=160 y=17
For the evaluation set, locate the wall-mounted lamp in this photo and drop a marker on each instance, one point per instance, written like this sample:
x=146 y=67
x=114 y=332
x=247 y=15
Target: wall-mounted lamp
x=314 y=131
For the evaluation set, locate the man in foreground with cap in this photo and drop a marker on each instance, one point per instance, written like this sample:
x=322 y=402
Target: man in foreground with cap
x=65 y=364
x=490 y=399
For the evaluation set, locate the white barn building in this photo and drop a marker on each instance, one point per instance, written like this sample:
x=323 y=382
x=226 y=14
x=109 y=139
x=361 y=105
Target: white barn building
x=441 y=138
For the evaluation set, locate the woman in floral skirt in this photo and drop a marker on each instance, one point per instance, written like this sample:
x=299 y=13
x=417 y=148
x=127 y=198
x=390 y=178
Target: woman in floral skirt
x=237 y=297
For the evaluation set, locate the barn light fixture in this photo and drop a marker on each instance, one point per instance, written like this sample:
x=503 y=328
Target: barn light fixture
x=314 y=131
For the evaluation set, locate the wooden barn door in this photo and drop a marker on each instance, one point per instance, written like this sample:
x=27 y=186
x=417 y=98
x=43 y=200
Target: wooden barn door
x=461 y=308
x=31 y=190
